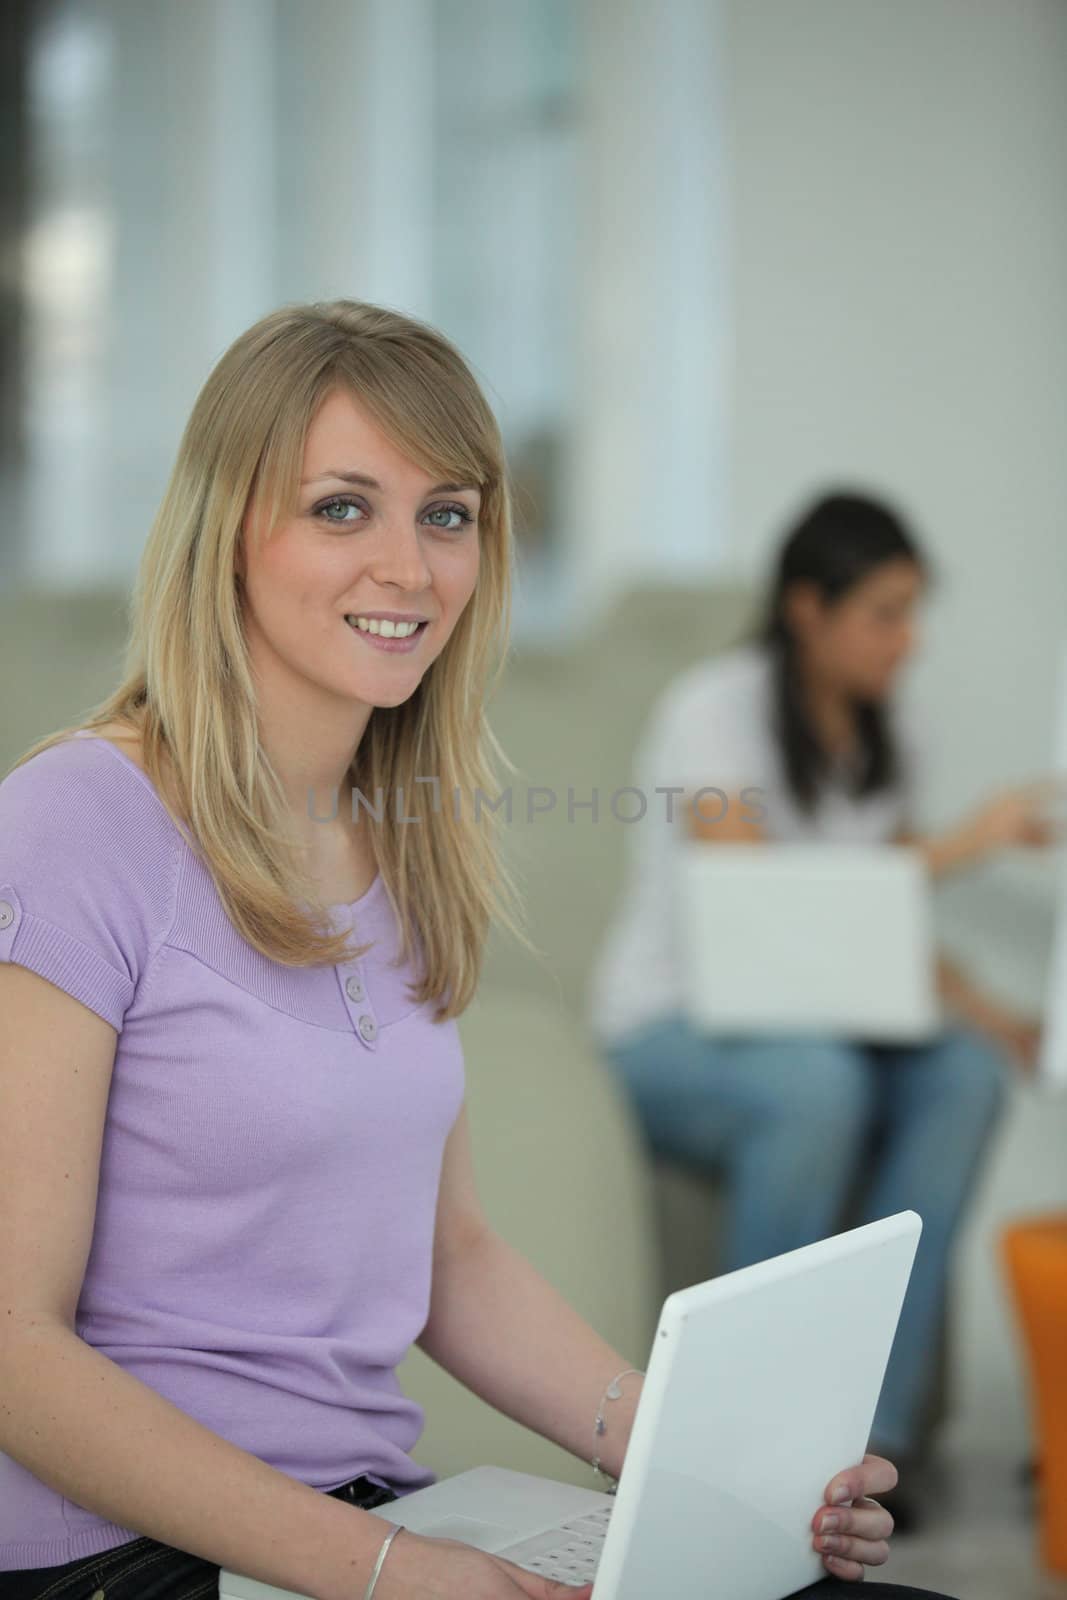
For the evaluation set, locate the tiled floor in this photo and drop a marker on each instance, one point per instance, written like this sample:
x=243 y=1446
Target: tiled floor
x=981 y=1543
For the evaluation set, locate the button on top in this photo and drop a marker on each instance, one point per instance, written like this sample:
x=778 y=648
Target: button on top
x=368 y=1028
x=7 y=913
x=354 y=988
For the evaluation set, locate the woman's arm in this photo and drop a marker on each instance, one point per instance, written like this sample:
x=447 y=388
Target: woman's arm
x=734 y=819
x=502 y=1330
x=1016 y=817
x=946 y=853
x=963 y=998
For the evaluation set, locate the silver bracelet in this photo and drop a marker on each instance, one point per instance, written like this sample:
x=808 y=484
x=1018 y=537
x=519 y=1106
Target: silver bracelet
x=378 y=1565
x=612 y=1392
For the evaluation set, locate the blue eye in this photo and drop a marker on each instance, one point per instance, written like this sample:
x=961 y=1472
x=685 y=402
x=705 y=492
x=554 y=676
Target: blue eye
x=344 y=502
x=338 y=500
x=451 y=511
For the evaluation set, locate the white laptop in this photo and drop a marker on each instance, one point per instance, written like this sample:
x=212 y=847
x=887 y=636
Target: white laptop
x=798 y=938
x=761 y=1386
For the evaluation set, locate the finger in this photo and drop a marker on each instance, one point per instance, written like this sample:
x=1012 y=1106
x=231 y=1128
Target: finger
x=1041 y=834
x=866 y=1519
x=855 y=1552
x=838 y=1567
x=874 y=1475
x=865 y=1552
x=1025 y=1046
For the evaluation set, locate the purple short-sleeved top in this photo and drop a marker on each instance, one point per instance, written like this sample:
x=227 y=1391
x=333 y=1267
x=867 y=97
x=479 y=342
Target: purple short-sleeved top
x=263 y=1238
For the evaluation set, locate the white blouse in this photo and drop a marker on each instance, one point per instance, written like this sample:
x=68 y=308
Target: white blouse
x=713 y=727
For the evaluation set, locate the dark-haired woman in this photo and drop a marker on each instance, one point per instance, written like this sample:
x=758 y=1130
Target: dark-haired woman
x=805 y=713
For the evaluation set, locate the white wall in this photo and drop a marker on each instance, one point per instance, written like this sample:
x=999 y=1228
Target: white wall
x=900 y=303
x=899 y=289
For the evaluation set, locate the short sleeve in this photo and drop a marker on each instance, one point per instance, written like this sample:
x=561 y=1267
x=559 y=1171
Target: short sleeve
x=707 y=730
x=88 y=864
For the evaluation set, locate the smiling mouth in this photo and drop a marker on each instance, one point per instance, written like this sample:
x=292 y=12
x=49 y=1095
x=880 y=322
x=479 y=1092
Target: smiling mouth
x=379 y=632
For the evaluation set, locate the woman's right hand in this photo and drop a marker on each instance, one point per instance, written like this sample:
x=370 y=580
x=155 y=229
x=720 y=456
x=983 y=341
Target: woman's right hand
x=1021 y=816
x=446 y=1569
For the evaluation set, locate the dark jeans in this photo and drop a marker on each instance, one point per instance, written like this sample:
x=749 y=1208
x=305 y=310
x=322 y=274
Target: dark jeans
x=828 y=1588
x=144 y=1569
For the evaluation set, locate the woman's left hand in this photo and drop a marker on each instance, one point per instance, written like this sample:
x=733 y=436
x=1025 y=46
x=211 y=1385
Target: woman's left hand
x=857 y=1528
x=1020 y=1039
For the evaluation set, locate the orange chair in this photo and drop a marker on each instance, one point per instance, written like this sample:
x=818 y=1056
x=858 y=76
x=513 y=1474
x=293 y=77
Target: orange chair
x=1035 y=1257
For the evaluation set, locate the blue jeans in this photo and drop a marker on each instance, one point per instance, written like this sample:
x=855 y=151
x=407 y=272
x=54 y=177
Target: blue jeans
x=792 y=1121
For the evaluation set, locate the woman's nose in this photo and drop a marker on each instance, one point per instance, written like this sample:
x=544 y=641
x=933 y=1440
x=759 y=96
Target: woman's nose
x=399 y=558
x=903 y=640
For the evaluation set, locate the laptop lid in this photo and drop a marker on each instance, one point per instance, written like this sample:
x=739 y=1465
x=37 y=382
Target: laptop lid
x=778 y=939
x=761 y=1386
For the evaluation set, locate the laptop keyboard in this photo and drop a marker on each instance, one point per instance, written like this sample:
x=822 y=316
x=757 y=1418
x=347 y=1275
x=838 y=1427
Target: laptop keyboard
x=567 y=1554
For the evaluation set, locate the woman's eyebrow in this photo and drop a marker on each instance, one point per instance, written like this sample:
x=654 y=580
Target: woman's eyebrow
x=372 y=483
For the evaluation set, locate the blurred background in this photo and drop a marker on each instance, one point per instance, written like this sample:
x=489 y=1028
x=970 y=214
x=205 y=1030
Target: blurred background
x=706 y=257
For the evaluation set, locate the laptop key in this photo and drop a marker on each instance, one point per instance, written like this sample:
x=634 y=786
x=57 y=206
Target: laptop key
x=556 y=1555
x=568 y=1571
x=594 y=1520
x=540 y=1545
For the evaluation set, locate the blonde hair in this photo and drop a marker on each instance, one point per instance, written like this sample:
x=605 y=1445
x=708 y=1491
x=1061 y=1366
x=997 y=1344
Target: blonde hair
x=187 y=684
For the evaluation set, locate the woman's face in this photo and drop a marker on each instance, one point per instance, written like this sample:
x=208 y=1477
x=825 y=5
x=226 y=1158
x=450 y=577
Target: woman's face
x=372 y=534
x=860 y=642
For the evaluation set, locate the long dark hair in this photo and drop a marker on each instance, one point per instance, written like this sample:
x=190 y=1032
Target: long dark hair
x=837 y=542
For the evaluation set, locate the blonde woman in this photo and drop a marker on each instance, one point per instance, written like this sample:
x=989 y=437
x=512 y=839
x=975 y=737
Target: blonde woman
x=235 y=1172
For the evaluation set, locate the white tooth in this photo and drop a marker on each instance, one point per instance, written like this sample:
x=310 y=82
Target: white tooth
x=389 y=630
